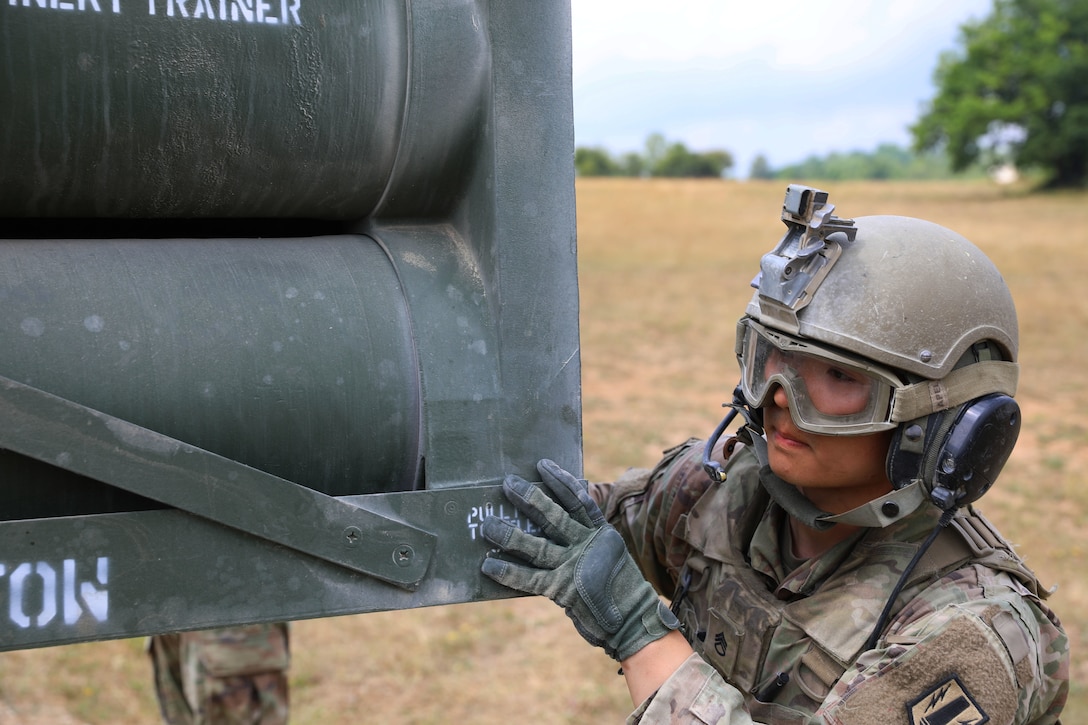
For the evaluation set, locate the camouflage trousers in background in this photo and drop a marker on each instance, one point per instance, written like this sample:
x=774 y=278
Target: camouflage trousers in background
x=226 y=676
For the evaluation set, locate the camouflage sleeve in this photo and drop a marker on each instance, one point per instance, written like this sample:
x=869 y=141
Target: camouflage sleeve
x=646 y=505
x=697 y=695
x=1000 y=657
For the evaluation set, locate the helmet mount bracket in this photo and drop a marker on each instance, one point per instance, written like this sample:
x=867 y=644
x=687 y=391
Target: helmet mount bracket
x=790 y=273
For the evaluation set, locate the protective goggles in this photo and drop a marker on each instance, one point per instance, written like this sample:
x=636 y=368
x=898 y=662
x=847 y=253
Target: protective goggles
x=829 y=393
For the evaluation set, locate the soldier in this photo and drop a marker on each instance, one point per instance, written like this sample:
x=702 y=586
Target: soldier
x=228 y=676
x=826 y=563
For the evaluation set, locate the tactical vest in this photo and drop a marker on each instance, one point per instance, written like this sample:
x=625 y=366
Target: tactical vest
x=787 y=655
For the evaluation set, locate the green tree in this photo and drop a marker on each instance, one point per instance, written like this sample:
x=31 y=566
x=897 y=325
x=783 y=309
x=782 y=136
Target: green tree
x=717 y=162
x=1016 y=91
x=594 y=162
x=656 y=148
x=660 y=159
x=761 y=168
x=632 y=164
x=888 y=161
x=678 y=161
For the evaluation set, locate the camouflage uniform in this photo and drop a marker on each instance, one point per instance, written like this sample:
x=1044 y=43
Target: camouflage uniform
x=969 y=637
x=226 y=676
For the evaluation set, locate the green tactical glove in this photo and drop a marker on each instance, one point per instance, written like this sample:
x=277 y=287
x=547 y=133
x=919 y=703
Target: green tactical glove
x=581 y=563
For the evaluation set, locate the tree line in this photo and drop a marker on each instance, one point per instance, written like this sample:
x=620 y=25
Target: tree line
x=887 y=162
x=660 y=158
x=1013 y=92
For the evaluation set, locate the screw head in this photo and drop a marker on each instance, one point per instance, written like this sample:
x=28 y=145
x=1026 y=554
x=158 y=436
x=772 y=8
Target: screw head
x=353 y=535
x=403 y=555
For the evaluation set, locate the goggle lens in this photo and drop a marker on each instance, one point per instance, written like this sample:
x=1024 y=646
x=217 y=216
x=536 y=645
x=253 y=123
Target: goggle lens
x=828 y=392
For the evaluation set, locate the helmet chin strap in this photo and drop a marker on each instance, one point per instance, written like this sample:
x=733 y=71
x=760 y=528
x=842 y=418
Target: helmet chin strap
x=878 y=513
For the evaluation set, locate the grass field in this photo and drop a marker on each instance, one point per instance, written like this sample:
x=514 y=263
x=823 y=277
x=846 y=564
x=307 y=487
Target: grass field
x=664 y=270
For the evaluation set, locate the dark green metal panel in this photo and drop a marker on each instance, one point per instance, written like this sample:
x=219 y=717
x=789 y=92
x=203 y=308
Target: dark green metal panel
x=280 y=304
x=105 y=448
x=122 y=574
x=294 y=356
x=119 y=111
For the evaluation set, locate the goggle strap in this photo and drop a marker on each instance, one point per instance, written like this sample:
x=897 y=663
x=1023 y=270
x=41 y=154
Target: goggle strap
x=958 y=387
x=793 y=501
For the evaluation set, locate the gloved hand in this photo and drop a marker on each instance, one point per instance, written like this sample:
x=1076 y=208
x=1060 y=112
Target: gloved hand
x=580 y=563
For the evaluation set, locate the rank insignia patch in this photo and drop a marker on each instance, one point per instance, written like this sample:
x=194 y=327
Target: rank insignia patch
x=947 y=703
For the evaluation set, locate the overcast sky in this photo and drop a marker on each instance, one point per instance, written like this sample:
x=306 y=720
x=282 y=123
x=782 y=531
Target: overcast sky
x=782 y=78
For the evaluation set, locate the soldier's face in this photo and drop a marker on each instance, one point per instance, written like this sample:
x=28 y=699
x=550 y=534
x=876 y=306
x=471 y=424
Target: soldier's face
x=835 y=472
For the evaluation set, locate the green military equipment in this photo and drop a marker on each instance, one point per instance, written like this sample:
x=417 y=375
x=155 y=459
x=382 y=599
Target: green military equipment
x=286 y=288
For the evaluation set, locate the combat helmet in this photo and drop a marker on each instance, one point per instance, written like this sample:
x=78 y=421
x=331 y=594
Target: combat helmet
x=921 y=324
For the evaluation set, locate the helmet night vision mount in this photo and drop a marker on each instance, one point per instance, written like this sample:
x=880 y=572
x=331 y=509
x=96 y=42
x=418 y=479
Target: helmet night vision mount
x=791 y=272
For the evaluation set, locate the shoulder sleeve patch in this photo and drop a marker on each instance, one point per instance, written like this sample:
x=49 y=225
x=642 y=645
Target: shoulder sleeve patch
x=964 y=659
x=948 y=702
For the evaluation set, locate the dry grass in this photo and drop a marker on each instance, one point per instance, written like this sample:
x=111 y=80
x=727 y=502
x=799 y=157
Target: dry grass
x=664 y=268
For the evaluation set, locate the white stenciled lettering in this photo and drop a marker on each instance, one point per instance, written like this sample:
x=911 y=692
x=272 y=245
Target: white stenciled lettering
x=36 y=594
x=266 y=12
x=257 y=12
x=23 y=580
x=477 y=514
x=77 y=5
x=95 y=600
x=241 y=10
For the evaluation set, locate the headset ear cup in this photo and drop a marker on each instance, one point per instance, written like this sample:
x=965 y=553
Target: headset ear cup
x=957 y=453
x=974 y=451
